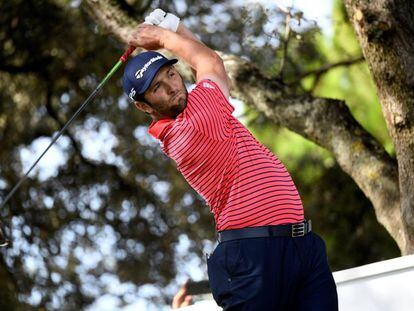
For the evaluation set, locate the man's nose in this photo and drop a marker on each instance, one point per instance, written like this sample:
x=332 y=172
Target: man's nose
x=172 y=89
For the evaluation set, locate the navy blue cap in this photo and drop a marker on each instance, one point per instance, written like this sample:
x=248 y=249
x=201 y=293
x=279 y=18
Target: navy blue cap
x=141 y=70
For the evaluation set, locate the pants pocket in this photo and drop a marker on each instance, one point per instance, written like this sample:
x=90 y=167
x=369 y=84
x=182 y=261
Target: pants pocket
x=244 y=258
x=233 y=276
x=233 y=258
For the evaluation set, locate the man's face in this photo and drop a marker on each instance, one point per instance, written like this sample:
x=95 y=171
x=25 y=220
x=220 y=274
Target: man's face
x=166 y=96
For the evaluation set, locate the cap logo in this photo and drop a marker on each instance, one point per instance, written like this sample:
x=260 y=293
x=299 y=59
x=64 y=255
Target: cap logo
x=140 y=72
x=132 y=94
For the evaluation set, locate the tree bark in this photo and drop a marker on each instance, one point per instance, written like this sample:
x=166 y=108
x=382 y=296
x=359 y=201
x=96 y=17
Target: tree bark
x=327 y=122
x=8 y=296
x=385 y=30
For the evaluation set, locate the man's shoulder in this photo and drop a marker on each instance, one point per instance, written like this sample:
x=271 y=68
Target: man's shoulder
x=204 y=84
x=204 y=91
x=206 y=94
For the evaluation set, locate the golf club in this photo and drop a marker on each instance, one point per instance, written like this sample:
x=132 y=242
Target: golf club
x=4 y=240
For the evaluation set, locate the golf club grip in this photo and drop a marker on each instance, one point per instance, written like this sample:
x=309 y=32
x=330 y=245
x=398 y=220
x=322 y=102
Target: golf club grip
x=128 y=52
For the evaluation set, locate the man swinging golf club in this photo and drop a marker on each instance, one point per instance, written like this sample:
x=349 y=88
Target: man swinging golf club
x=267 y=257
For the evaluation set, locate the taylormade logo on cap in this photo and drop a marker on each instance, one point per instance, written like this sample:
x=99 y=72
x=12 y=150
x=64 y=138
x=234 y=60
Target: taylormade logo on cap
x=141 y=71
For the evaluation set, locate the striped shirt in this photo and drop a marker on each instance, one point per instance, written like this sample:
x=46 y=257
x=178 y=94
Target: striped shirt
x=243 y=183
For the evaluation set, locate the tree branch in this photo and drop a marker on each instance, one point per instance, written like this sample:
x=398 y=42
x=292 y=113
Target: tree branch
x=325 y=68
x=286 y=39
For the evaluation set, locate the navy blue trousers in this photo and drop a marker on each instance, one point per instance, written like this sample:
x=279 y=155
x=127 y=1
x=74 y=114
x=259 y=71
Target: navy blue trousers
x=272 y=273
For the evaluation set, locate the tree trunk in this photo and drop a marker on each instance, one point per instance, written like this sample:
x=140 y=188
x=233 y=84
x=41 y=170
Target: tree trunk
x=385 y=30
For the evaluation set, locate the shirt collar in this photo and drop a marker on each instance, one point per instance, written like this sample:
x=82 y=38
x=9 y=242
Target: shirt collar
x=158 y=128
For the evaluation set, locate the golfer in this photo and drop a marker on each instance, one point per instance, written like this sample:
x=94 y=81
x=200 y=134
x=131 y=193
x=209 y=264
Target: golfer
x=267 y=257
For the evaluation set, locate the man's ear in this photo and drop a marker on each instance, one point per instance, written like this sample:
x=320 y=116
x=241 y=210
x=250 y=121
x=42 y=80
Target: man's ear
x=143 y=107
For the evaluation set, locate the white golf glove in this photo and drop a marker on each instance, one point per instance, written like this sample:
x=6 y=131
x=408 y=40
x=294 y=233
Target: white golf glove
x=155 y=17
x=165 y=20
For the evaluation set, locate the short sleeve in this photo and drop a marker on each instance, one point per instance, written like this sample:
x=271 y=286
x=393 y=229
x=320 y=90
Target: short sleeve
x=208 y=110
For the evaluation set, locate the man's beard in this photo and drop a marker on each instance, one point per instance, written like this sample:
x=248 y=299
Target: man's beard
x=179 y=108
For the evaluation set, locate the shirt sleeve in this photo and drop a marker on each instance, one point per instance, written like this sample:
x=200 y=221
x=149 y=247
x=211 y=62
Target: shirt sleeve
x=208 y=111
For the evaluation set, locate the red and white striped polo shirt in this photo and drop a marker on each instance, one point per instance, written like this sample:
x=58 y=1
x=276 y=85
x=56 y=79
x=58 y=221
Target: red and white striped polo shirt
x=244 y=184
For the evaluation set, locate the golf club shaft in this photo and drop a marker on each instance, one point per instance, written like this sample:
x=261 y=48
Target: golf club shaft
x=80 y=109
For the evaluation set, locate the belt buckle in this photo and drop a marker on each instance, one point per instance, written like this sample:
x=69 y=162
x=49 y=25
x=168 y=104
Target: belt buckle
x=298 y=230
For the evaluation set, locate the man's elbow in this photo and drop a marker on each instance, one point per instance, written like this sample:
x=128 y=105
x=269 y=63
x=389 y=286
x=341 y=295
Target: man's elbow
x=216 y=60
x=211 y=63
x=220 y=68
x=210 y=59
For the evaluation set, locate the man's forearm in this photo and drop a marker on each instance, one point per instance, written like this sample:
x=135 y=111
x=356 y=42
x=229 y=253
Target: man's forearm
x=187 y=47
x=185 y=32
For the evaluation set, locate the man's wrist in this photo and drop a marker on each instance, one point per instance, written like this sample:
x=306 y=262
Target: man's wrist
x=185 y=32
x=163 y=35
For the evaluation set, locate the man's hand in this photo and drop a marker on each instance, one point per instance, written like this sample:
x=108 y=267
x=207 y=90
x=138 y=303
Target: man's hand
x=147 y=36
x=181 y=299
